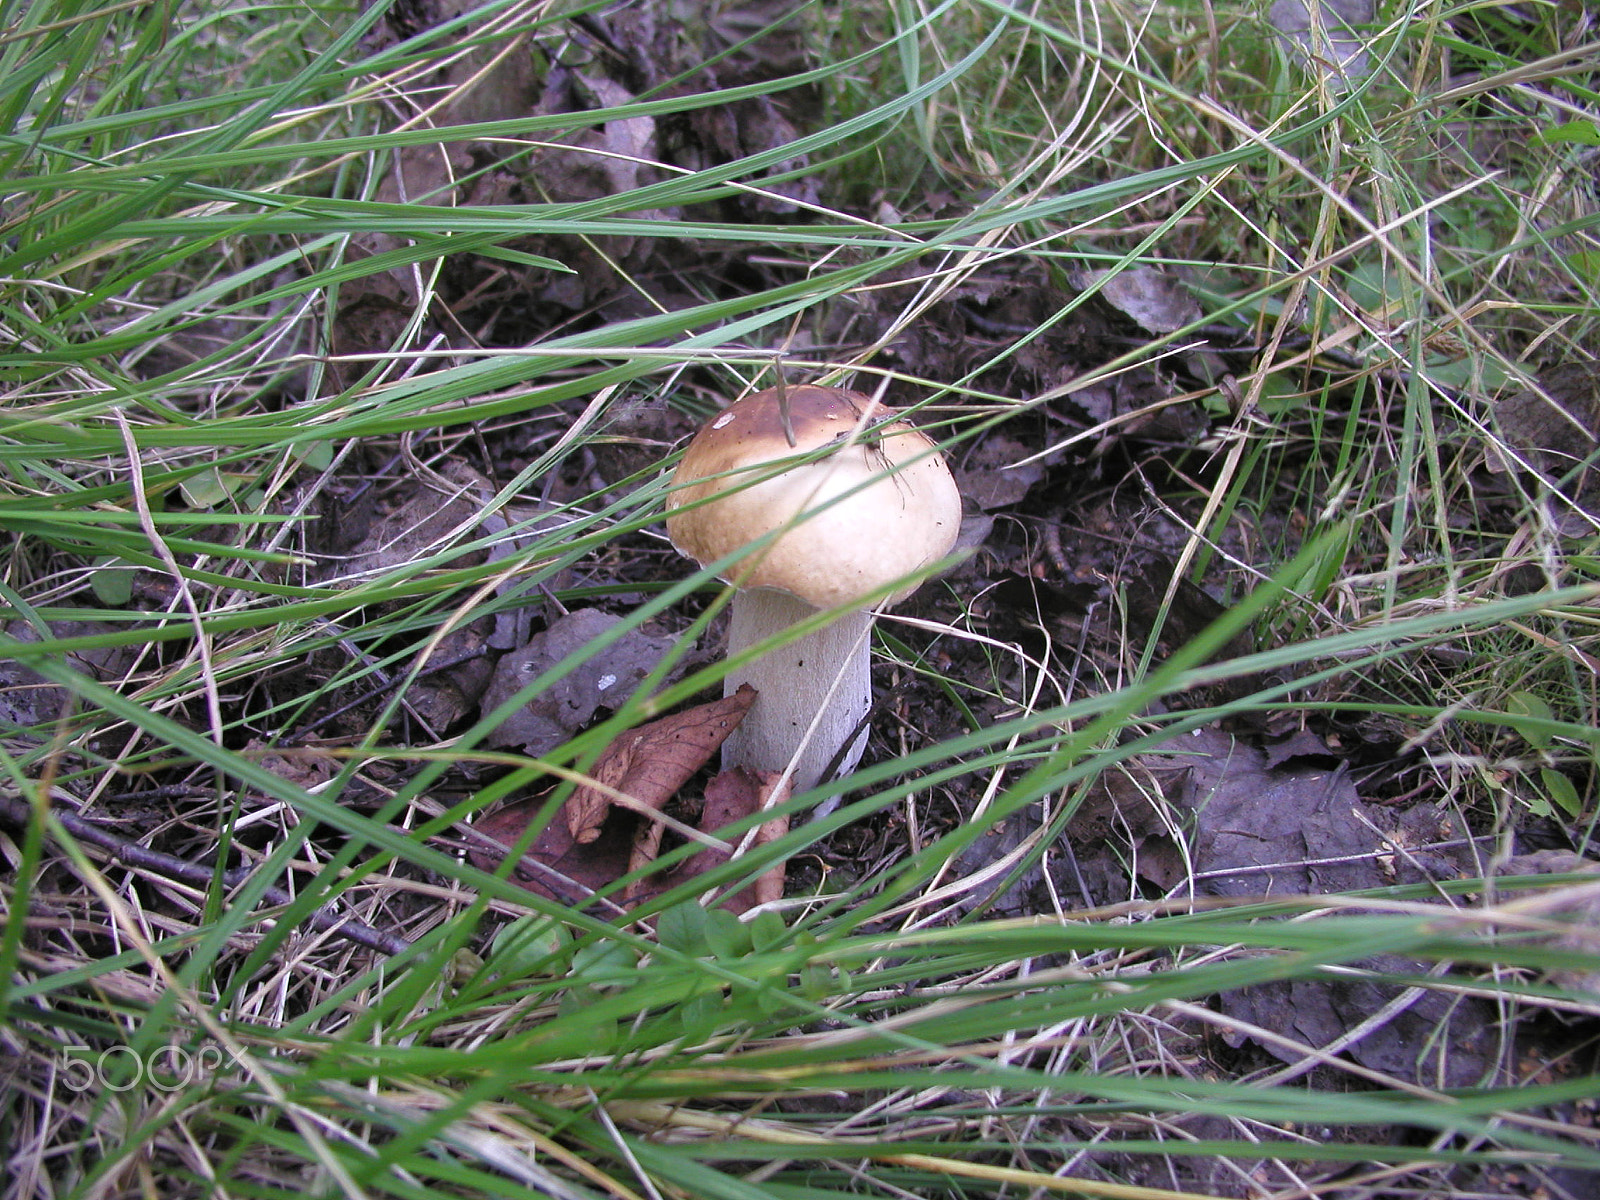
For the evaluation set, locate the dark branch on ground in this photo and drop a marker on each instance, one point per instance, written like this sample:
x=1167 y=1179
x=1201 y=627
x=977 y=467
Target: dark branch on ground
x=119 y=849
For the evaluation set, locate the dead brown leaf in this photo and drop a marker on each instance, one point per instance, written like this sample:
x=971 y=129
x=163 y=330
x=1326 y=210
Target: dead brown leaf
x=454 y=677
x=645 y=767
x=306 y=767
x=732 y=796
x=1579 y=907
x=999 y=472
x=443 y=503
x=584 y=848
x=554 y=865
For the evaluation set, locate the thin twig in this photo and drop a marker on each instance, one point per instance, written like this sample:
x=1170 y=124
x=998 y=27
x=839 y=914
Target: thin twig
x=120 y=849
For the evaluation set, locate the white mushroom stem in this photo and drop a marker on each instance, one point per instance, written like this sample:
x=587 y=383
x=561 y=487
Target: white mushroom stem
x=813 y=693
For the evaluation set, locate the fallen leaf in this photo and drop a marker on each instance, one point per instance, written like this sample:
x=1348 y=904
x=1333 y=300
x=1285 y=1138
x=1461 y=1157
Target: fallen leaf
x=990 y=862
x=28 y=699
x=646 y=849
x=453 y=679
x=581 y=848
x=443 y=504
x=1255 y=829
x=1296 y=747
x=645 y=767
x=1553 y=429
x=606 y=676
x=554 y=865
x=1577 y=906
x=1123 y=831
x=732 y=796
x=1557 y=422
x=999 y=473
x=1428 y=1036
x=307 y=767
x=1154 y=300
x=367 y=321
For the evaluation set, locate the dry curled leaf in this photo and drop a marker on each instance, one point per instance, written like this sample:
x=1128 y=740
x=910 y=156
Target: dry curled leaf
x=307 y=767
x=645 y=767
x=580 y=850
x=732 y=796
x=553 y=865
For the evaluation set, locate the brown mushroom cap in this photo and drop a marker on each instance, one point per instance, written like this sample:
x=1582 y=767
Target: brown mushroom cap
x=903 y=511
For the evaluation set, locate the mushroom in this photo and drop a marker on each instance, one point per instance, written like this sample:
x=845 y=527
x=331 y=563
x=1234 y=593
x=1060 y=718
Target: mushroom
x=878 y=507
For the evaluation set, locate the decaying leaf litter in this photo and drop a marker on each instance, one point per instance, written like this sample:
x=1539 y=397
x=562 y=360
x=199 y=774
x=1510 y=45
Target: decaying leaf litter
x=1084 y=530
